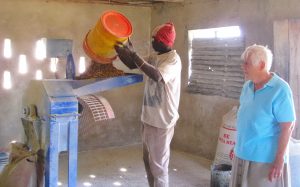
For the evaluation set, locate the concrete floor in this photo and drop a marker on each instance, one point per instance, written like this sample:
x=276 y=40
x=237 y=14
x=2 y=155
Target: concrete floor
x=123 y=166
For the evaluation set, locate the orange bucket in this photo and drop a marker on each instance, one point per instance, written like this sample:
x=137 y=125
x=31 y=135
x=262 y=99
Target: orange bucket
x=112 y=27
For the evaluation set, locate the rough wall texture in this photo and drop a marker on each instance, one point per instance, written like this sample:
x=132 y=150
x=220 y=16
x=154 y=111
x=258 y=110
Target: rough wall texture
x=201 y=116
x=197 y=129
x=26 y=22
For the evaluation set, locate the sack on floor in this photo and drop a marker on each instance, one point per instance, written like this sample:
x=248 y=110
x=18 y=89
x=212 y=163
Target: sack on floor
x=21 y=169
x=226 y=139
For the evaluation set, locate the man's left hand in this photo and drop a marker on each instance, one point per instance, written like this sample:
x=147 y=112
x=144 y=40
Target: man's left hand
x=276 y=169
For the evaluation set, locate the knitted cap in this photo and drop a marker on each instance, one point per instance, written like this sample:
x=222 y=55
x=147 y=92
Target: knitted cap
x=165 y=33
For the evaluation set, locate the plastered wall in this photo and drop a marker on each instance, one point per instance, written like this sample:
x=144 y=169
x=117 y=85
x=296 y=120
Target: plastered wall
x=201 y=116
x=24 y=22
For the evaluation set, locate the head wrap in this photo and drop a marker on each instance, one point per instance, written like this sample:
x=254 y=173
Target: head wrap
x=165 y=33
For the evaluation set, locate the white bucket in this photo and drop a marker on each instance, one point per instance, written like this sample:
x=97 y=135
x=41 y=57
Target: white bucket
x=294 y=151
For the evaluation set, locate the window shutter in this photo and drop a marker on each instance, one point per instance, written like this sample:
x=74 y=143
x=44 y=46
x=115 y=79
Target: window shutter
x=216 y=67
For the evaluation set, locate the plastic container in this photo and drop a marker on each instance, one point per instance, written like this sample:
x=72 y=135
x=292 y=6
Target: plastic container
x=294 y=157
x=112 y=27
x=70 y=67
x=220 y=175
x=3 y=160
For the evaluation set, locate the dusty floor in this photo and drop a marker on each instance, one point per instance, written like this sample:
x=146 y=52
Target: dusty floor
x=124 y=167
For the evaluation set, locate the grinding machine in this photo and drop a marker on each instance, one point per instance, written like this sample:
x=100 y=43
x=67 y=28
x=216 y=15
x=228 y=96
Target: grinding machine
x=51 y=115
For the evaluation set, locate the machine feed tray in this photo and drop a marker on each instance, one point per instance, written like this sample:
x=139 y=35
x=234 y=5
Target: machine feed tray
x=89 y=86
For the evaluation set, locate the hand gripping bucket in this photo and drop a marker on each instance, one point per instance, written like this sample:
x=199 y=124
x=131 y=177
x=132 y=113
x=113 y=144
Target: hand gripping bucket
x=99 y=41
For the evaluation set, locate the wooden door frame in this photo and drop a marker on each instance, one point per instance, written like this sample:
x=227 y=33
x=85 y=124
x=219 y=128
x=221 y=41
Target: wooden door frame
x=286 y=58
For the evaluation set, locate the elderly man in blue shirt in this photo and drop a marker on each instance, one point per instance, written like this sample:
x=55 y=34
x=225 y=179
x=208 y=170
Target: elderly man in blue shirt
x=265 y=122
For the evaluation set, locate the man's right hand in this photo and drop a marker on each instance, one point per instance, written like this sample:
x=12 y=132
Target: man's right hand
x=125 y=54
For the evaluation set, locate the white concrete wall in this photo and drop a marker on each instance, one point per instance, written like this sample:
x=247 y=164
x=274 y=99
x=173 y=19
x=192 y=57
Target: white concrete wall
x=27 y=21
x=201 y=116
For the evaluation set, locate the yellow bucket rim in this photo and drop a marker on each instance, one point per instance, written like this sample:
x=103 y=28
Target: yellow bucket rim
x=94 y=56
